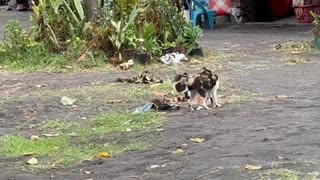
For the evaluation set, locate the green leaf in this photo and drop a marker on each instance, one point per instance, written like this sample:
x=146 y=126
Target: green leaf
x=56 y=4
x=75 y=18
x=79 y=8
x=132 y=17
x=114 y=24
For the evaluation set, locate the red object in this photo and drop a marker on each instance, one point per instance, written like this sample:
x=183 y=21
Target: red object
x=220 y=6
x=303 y=12
x=279 y=8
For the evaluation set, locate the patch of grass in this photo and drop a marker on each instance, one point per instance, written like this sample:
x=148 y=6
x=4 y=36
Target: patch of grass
x=66 y=150
x=58 y=151
x=15 y=145
x=60 y=125
x=279 y=174
x=294 y=60
x=135 y=94
x=18 y=52
x=312 y=176
x=117 y=122
x=304 y=47
x=96 y=95
x=34 y=61
x=213 y=55
x=165 y=87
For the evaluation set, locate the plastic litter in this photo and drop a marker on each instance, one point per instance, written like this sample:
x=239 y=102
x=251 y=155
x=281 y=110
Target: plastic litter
x=173 y=58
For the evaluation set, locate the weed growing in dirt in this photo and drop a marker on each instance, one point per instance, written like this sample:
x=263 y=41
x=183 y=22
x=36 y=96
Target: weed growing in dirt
x=280 y=174
x=99 y=94
x=165 y=87
x=294 y=60
x=117 y=122
x=60 y=126
x=72 y=144
x=305 y=47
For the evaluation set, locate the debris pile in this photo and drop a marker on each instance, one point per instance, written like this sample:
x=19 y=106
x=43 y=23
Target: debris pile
x=145 y=77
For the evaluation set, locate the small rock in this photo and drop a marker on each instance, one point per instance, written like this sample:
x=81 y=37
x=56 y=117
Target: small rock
x=184 y=144
x=40 y=85
x=32 y=161
x=154 y=166
x=159 y=130
x=67 y=101
x=280 y=158
x=87 y=172
x=178 y=151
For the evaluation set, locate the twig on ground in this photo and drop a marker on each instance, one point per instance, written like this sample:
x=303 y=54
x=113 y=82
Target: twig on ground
x=211 y=172
x=234 y=155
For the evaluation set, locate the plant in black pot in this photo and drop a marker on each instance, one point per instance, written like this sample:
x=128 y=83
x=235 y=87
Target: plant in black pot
x=188 y=40
x=151 y=47
x=316 y=30
x=148 y=45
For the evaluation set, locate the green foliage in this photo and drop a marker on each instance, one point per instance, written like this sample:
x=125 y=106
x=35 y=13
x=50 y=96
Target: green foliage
x=149 y=40
x=123 y=8
x=315 y=22
x=119 y=28
x=57 y=21
x=19 y=52
x=117 y=36
x=65 y=149
x=189 y=38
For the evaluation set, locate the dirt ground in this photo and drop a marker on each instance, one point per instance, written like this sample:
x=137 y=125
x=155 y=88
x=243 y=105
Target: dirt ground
x=255 y=132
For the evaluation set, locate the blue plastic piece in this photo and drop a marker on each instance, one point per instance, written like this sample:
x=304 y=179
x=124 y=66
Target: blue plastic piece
x=200 y=9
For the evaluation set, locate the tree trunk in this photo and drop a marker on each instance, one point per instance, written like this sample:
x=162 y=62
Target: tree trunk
x=91 y=8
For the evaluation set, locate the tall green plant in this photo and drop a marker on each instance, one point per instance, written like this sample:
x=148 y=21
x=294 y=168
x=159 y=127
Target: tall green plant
x=117 y=37
x=56 y=21
x=189 y=38
x=315 y=22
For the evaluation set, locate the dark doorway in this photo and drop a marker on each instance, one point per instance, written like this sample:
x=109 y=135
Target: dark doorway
x=270 y=10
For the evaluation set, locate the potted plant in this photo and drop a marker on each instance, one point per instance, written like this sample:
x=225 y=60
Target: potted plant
x=316 y=32
x=188 y=40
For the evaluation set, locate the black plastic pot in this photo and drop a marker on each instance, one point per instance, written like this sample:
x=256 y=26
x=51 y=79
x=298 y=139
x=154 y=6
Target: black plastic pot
x=197 y=52
x=316 y=43
x=168 y=50
x=142 y=58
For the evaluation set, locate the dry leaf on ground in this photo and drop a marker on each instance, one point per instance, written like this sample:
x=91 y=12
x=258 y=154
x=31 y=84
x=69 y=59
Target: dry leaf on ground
x=50 y=135
x=160 y=94
x=28 y=154
x=197 y=140
x=178 y=151
x=102 y=155
x=155 y=85
x=251 y=167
